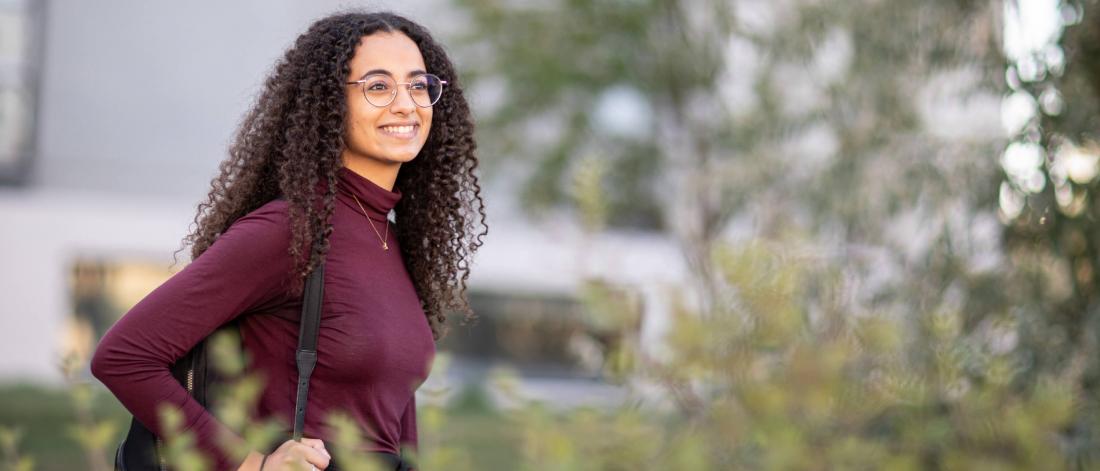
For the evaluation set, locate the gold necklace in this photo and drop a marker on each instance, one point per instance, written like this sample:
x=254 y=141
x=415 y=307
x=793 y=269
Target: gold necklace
x=385 y=245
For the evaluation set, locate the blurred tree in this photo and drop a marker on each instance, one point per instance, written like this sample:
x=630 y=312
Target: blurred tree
x=1050 y=201
x=867 y=126
x=784 y=393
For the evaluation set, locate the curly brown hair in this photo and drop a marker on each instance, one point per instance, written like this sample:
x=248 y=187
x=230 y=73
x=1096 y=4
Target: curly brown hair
x=293 y=136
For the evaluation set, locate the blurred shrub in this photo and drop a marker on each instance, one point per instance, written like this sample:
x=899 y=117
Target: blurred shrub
x=765 y=381
x=766 y=384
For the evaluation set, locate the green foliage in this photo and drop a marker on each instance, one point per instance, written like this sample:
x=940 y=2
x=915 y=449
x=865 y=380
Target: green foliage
x=768 y=386
x=473 y=398
x=239 y=395
x=94 y=436
x=179 y=450
x=1050 y=210
x=348 y=438
x=9 y=446
x=796 y=350
x=588 y=182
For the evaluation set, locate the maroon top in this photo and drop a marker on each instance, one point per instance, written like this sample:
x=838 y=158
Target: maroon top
x=374 y=347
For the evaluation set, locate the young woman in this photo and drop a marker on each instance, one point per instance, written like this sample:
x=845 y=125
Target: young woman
x=363 y=116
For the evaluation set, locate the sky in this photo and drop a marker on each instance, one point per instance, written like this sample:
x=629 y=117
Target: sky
x=1031 y=32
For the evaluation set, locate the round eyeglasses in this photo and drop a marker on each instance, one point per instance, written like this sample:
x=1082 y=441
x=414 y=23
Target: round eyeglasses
x=381 y=89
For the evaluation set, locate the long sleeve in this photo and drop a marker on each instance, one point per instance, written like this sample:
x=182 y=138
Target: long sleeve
x=247 y=265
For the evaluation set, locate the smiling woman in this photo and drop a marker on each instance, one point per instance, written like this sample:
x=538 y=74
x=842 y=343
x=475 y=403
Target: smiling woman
x=362 y=118
x=387 y=128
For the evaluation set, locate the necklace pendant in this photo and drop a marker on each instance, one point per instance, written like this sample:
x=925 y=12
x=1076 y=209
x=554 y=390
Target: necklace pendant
x=385 y=246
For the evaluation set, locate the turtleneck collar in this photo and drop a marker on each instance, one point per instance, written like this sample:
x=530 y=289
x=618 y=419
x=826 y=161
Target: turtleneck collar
x=377 y=201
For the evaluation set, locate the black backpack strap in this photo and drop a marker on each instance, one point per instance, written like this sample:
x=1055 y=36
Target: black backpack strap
x=306 y=355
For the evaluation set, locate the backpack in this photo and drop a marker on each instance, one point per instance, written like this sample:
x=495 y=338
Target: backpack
x=141 y=449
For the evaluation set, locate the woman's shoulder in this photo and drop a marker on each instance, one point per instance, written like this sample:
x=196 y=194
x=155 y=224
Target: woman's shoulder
x=275 y=211
x=252 y=253
x=268 y=223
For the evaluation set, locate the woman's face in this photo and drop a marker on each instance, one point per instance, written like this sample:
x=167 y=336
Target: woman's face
x=393 y=134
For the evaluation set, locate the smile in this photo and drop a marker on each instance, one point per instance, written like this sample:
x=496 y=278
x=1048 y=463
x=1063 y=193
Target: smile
x=400 y=132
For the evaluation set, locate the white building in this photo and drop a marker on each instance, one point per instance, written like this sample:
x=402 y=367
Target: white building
x=127 y=108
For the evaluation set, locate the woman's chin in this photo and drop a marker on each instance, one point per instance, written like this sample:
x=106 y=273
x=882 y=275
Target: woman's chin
x=395 y=159
x=403 y=157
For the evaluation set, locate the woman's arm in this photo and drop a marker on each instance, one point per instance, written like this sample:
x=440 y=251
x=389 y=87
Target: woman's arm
x=247 y=265
x=252 y=462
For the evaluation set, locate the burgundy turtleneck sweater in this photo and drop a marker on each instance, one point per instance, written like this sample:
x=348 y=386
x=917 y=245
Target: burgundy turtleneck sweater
x=374 y=347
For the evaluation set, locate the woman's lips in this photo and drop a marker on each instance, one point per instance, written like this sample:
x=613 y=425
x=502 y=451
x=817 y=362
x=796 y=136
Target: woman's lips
x=400 y=132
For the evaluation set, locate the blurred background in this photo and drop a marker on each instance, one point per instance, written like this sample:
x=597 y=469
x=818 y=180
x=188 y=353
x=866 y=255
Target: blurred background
x=739 y=234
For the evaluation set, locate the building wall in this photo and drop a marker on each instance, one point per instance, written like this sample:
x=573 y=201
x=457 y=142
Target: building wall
x=142 y=97
x=138 y=101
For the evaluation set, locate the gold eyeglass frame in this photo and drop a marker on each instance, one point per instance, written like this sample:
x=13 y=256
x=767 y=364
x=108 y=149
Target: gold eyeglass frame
x=393 y=96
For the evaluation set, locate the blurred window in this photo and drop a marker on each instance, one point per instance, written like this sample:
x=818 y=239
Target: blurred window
x=103 y=290
x=21 y=30
x=540 y=335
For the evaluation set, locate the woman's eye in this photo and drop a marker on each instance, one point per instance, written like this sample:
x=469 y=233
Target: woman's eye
x=377 y=86
x=419 y=85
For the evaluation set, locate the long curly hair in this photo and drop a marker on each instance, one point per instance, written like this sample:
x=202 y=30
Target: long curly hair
x=292 y=138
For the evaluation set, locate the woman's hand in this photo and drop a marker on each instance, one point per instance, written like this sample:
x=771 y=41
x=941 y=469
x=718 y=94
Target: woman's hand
x=298 y=456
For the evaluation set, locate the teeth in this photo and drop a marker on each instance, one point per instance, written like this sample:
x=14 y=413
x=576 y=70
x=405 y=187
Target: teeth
x=397 y=129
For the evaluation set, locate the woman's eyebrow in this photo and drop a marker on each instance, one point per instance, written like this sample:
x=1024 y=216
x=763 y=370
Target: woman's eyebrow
x=386 y=72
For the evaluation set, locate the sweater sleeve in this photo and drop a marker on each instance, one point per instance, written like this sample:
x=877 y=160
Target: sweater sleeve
x=246 y=265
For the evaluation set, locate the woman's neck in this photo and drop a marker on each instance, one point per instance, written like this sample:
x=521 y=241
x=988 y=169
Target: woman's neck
x=380 y=173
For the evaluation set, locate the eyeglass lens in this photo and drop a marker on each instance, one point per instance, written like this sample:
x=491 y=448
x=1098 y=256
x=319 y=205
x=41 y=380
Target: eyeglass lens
x=380 y=90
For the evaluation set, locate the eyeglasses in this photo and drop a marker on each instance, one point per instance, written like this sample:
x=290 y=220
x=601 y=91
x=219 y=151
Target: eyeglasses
x=381 y=89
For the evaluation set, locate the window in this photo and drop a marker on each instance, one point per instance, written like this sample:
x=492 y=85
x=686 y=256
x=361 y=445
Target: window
x=546 y=335
x=20 y=69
